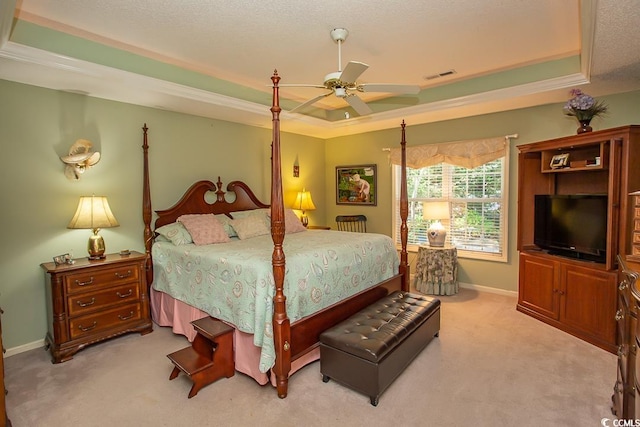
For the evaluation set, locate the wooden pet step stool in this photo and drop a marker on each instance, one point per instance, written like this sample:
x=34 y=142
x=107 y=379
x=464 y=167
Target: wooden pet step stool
x=210 y=356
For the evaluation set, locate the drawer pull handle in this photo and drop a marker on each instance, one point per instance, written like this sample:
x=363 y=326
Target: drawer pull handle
x=86 y=304
x=128 y=294
x=619 y=315
x=123 y=276
x=121 y=317
x=618 y=387
x=88 y=282
x=88 y=328
x=622 y=350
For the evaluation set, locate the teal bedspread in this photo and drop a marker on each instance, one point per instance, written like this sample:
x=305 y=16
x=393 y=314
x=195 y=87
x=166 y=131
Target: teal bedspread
x=234 y=281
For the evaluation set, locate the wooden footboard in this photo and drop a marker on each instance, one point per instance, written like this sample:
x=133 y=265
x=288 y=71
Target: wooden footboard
x=305 y=332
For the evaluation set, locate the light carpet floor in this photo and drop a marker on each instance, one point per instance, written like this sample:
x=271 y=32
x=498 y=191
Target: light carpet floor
x=490 y=366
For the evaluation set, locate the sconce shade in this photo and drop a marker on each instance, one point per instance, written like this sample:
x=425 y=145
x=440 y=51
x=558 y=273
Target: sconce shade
x=304 y=203
x=94 y=213
x=436 y=211
x=80 y=158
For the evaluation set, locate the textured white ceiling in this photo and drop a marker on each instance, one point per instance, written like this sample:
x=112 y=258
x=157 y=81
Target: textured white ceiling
x=242 y=41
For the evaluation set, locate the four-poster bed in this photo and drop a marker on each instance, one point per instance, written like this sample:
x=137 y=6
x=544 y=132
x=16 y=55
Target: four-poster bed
x=294 y=334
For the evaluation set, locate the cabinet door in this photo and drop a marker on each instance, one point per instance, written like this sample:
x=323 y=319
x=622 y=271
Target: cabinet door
x=589 y=301
x=537 y=285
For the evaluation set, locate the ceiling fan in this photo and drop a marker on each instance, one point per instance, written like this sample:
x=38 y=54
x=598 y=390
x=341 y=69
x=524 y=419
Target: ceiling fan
x=343 y=83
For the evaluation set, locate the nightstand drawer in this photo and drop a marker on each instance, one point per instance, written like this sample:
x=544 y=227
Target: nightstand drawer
x=114 y=318
x=95 y=279
x=85 y=303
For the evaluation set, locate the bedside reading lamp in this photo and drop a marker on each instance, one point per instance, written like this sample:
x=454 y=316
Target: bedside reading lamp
x=94 y=213
x=436 y=211
x=304 y=203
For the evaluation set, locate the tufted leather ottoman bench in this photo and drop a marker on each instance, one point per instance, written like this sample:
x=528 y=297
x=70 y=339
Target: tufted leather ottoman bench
x=370 y=349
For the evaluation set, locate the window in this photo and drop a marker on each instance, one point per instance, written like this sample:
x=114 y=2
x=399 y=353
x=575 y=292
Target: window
x=478 y=204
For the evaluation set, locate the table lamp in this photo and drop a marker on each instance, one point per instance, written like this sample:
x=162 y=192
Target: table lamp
x=304 y=203
x=94 y=213
x=436 y=211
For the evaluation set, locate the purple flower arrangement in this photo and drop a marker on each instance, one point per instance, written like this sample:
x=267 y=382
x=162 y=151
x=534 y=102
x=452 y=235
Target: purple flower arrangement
x=583 y=106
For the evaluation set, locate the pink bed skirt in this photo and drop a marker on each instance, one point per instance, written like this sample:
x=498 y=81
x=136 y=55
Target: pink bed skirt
x=168 y=311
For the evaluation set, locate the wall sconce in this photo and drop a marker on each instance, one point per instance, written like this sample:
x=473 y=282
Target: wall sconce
x=304 y=203
x=437 y=211
x=94 y=213
x=80 y=159
x=296 y=168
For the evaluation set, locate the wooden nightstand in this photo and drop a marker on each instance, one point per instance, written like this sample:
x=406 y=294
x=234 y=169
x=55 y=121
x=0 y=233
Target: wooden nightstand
x=91 y=301
x=318 y=227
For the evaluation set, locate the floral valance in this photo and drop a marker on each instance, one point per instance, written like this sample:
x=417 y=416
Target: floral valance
x=469 y=154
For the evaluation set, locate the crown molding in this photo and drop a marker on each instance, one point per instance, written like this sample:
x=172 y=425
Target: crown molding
x=38 y=67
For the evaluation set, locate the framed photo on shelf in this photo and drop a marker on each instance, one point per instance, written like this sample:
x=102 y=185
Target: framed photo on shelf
x=356 y=185
x=63 y=259
x=559 y=161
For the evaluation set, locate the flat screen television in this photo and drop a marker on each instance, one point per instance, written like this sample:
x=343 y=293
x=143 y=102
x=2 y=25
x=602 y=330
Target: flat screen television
x=572 y=225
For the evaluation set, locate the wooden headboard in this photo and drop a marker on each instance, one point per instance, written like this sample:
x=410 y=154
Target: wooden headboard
x=194 y=201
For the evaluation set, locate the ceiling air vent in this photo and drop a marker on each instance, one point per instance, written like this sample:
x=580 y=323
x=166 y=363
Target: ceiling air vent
x=442 y=74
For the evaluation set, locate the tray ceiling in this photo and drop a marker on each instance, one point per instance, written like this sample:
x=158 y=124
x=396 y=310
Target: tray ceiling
x=215 y=59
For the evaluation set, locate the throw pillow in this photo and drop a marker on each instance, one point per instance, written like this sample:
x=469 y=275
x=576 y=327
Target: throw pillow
x=205 y=229
x=175 y=233
x=250 y=226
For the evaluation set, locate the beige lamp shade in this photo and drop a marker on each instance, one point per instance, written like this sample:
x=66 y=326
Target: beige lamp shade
x=436 y=211
x=94 y=213
x=304 y=203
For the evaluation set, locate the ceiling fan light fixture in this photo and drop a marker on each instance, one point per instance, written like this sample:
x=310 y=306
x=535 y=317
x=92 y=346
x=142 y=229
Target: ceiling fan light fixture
x=339 y=34
x=344 y=82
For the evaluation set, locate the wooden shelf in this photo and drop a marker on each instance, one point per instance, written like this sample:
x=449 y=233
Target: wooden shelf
x=577 y=154
x=578 y=296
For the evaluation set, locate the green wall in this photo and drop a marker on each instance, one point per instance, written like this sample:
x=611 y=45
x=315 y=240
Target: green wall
x=531 y=125
x=39 y=125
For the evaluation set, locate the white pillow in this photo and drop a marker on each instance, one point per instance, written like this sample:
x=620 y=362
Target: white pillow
x=250 y=226
x=292 y=223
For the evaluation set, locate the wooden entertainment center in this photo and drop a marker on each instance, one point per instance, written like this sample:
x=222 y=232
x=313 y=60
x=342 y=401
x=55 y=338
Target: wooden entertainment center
x=575 y=295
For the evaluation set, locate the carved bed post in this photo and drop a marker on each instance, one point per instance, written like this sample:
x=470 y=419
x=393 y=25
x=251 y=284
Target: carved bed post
x=404 y=268
x=281 y=326
x=146 y=209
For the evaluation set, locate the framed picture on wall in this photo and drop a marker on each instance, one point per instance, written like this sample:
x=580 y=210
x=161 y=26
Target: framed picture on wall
x=356 y=185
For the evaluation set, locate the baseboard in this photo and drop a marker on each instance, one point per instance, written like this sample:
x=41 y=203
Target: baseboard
x=25 y=347
x=481 y=288
x=488 y=289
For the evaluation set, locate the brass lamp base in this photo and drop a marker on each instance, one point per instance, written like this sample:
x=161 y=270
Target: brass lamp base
x=96 y=247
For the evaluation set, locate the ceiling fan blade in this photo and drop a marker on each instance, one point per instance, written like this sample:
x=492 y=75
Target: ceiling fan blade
x=301 y=85
x=352 y=71
x=390 y=88
x=358 y=105
x=309 y=102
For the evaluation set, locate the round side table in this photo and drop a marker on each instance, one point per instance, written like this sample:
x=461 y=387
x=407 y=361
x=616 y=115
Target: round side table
x=437 y=270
